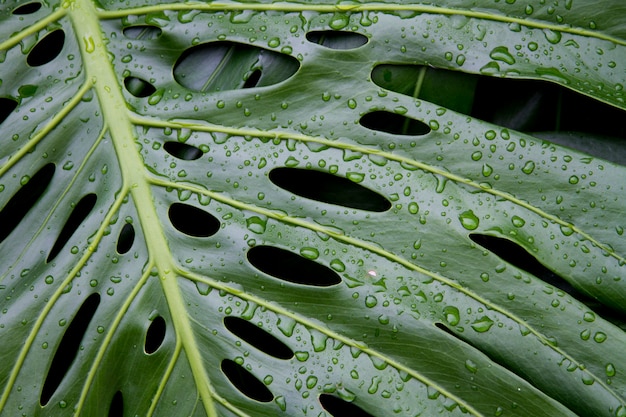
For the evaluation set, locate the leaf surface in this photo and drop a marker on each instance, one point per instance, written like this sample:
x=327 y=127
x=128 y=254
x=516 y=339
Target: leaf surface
x=299 y=208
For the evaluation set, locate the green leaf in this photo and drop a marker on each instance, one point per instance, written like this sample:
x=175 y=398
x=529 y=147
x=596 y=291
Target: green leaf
x=310 y=208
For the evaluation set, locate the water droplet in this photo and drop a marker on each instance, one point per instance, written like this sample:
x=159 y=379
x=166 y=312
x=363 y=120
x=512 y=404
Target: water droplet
x=309 y=253
x=90 y=45
x=476 y=156
x=413 y=207
x=339 y=21
x=599 y=337
x=469 y=220
x=256 y=224
x=273 y=43
x=337 y=265
x=518 y=221
x=552 y=36
x=452 y=315
x=482 y=324
x=355 y=176
x=471 y=366
x=610 y=369
x=528 y=168
x=352 y=103
x=573 y=179
x=501 y=53
x=371 y=301
x=156 y=97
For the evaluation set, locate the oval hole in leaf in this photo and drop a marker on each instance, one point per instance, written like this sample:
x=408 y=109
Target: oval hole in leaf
x=245 y=382
x=48 y=48
x=258 y=337
x=328 y=188
x=7 y=105
x=116 y=409
x=182 y=150
x=24 y=199
x=155 y=335
x=143 y=32
x=338 y=407
x=79 y=214
x=28 y=8
x=336 y=39
x=193 y=221
x=138 y=87
x=68 y=348
x=394 y=123
x=125 y=239
x=225 y=65
x=290 y=267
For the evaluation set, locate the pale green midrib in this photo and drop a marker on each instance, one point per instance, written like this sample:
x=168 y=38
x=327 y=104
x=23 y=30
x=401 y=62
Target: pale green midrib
x=370 y=7
x=379 y=251
x=370 y=151
x=98 y=67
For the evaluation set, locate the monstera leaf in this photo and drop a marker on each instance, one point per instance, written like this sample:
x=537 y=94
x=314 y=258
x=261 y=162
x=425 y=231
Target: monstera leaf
x=309 y=208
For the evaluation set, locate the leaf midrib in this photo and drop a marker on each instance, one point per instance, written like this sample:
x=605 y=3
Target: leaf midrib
x=98 y=68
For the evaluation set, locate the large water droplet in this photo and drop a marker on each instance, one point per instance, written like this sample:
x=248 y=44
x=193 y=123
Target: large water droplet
x=469 y=220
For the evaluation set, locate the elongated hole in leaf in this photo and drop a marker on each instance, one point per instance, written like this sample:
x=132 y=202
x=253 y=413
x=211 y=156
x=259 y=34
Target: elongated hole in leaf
x=226 y=65
x=182 y=150
x=336 y=39
x=253 y=79
x=79 y=214
x=126 y=239
x=48 y=48
x=394 y=123
x=155 y=335
x=138 y=87
x=328 y=188
x=28 y=8
x=516 y=255
x=258 y=337
x=245 y=382
x=116 y=409
x=339 y=407
x=290 y=267
x=24 y=200
x=193 y=221
x=7 y=105
x=68 y=348
x=143 y=32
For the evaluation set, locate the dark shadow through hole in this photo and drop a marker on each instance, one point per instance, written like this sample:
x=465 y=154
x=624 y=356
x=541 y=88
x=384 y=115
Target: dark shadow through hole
x=116 y=409
x=138 y=87
x=48 y=48
x=192 y=221
x=338 y=407
x=290 y=267
x=126 y=239
x=68 y=348
x=253 y=79
x=328 y=188
x=336 y=39
x=516 y=255
x=142 y=32
x=245 y=382
x=7 y=105
x=79 y=214
x=258 y=337
x=155 y=335
x=396 y=124
x=182 y=151
x=543 y=109
x=28 y=8
x=24 y=199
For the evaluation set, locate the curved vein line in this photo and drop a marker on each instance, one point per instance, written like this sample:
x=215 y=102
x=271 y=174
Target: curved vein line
x=107 y=340
x=55 y=205
x=330 y=333
x=54 y=298
x=34 y=28
x=380 y=7
x=379 y=251
x=54 y=122
x=387 y=155
x=168 y=372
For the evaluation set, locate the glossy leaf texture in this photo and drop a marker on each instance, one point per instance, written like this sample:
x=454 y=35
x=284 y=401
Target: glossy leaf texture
x=303 y=208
